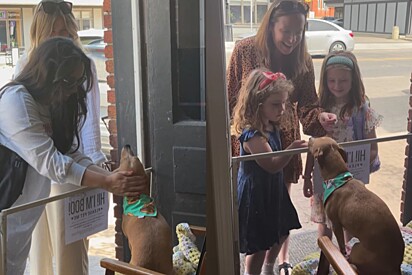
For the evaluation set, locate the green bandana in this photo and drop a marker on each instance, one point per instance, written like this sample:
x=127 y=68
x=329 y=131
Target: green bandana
x=331 y=185
x=143 y=207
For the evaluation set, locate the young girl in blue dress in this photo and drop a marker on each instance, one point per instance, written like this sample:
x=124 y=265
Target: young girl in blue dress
x=341 y=92
x=266 y=213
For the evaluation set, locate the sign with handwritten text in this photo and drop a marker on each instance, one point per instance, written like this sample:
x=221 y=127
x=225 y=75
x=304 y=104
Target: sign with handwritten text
x=358 y=161
x=85 y=214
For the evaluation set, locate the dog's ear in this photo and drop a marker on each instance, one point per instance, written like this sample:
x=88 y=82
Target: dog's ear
x=343 y=154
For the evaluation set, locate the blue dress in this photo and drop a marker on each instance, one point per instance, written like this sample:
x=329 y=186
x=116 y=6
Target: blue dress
x=266 y=212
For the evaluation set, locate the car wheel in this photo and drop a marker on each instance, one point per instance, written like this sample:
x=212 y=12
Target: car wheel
x=337 y=46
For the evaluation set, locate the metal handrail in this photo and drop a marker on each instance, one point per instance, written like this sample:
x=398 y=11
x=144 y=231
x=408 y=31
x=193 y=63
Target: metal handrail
x=6 y=212
x=305 y=150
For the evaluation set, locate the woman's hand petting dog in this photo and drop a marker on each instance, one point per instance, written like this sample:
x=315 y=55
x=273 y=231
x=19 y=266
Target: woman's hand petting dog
x=125 y=183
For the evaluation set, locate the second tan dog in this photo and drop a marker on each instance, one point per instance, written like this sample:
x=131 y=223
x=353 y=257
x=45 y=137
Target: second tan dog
x=150 y=238
x=362 y=213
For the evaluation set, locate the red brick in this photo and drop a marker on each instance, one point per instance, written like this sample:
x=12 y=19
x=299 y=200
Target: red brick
x=113 y=126
x=405 y=163
x=114 y=156
x=111 y=96
x=108 y=36
x=107 y=6
x=113 y=140
x=118 y=209
x=110 y=66
x=110 y=81
x=406 y=149
x=118 y=239
x=117 y=200
x=111 y=111
x=409 y=126
x=119 y=253
x=118 y=224
x=107 y=21
x=108 y=51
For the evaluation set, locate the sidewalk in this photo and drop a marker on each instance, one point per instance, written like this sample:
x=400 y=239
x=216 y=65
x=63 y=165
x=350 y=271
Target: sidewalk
x=365 y=41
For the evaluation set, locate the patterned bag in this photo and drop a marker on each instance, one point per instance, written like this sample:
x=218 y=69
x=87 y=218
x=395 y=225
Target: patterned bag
x=12 y=176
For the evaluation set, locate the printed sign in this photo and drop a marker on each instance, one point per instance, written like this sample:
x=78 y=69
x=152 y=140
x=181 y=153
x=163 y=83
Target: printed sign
x=85 y=214
x=358 y=164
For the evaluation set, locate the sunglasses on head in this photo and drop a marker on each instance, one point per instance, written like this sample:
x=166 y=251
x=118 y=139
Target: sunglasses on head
x=51 y=7
x=70 y=83
x=293 y=6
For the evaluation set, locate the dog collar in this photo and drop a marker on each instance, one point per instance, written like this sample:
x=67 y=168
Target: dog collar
x=143 y=207
x=331 y=185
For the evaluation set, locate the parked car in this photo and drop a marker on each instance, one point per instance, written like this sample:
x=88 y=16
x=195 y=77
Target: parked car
x=94 y=45
x=338 y=22
x=323 y=36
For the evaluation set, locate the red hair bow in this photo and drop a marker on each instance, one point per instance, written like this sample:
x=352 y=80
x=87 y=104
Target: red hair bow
x=269 y=78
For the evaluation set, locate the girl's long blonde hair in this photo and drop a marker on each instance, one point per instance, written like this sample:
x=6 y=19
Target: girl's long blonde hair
x=295 y=63
x=43 y=23
x=247 y=111
x=357 y=91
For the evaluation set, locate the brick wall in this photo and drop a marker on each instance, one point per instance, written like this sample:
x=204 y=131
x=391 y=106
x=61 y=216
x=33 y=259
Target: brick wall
x=111 y=110
x=407 y=151
x=319 y=12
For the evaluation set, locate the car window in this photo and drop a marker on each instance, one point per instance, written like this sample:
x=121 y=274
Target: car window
x=94 y=42
x=320 y=26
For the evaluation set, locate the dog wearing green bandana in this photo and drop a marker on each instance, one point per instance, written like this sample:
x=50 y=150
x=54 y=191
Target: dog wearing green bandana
x=149 y=235
x=350 y=206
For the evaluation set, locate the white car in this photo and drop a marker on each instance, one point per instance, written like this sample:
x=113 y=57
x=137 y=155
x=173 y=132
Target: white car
x=323 y=37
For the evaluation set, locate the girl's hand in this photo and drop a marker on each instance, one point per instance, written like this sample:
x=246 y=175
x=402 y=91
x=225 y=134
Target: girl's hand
x=307 y=188
x=298 y=144
x=327 y=120
x=124 y=183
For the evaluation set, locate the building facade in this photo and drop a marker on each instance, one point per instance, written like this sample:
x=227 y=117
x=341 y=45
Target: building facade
x=377 y=16
x=16 y=17
x=247 y=12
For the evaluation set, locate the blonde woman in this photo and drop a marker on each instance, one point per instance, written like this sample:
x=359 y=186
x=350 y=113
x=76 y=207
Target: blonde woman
x=55 y=18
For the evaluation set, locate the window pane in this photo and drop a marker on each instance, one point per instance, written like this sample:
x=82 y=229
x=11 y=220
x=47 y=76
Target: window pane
x=86 y=24
x=261 y=10
x=188 y=60
x=246 y=12
x=235 y=14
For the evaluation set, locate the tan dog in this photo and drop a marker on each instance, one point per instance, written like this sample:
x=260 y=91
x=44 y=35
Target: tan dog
x=362 y=213
x=150 y=238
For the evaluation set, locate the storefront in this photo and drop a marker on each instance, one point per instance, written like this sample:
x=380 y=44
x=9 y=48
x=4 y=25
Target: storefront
x=16 y=17
x=10 y=28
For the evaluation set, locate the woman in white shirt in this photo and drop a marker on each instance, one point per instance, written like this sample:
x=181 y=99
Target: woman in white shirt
x=41 y=112
x=55 y=18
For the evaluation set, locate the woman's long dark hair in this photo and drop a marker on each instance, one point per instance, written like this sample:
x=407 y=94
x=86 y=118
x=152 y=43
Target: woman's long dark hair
x=52 y=61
